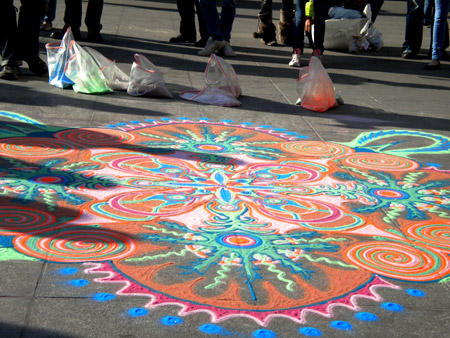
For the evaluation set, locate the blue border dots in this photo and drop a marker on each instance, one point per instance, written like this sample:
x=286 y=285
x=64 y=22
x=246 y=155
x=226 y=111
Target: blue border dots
x=415 y=292
x=137 y=312
x=310 y=332
x=341 y=325
x=392 y=307
x=171 y=320
x=366 y=316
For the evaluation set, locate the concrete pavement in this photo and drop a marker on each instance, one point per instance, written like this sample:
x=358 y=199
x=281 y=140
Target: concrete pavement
x=381 y=270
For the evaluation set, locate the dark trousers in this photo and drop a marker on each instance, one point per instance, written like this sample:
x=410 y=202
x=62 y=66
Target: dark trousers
x=414 y=25
x=73 y=14
x=186 y=9
x=19 y=40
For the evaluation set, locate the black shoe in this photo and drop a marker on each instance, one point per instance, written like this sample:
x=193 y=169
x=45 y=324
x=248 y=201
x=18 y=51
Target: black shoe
x=432 y=66
x=201 y=42
x=183 y=38
x=10 y=73
x=409 y=54
x=95 y=37
x=60 y=34
x=37 y=66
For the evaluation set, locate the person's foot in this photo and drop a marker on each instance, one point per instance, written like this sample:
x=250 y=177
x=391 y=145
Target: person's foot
x=201 y=42
x=95 y=37
x=318 y=53
x=227 y=50
x=433 y=65
x=409 y=54
x=46 y=26
x=60 y=34
x=37 y=66
x=211 y=47
x=183 y=38
x=10 y=73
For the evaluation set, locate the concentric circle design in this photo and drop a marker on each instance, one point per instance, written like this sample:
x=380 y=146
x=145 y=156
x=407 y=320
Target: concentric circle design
x=388 y=194
x=95 y=136
x=316 y=149
x=398 y=260
x=49 y=179
x=19 y=220
x=376 y=161
x=434 y=234
x=35 y=146
x=75 y=245
x=239 y=241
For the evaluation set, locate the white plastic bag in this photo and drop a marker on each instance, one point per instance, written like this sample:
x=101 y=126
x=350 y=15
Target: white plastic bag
x=314 y=87
x=222 y=85
x=340 y=33
x=146 y=79
x=115 y=77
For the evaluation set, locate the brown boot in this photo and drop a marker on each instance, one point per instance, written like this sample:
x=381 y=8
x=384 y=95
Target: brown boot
x=266 y=30
x=286 y=27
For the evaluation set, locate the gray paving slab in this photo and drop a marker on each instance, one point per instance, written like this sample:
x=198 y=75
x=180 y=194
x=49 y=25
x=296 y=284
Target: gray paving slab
x=381 y=91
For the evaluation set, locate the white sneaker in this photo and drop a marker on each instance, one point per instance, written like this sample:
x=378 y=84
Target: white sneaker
x=211 y=47
x=295 y=62
x=227 y=50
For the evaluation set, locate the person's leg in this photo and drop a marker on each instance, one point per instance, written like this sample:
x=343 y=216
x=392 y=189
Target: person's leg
x=227 y=18
x=286 y=23
x=8 y=34
x=375 y=5
x=321 y=14
x=28 y=26
x=266 y=29
x=203 y=29
x=298 y=34
x=215 y=40
x=72 y=14
x=186 y=10
x=51 y=11
x=414 y=28
x=299 y=28
x=440 y=25
x=93 y=16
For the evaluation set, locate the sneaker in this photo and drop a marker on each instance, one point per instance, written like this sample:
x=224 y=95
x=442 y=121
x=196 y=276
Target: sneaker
x=10 y=73
x=201 y=42
x=227 y=50
x=211 y=47
x=295 y=62
x=37 y=66
x=46 y=26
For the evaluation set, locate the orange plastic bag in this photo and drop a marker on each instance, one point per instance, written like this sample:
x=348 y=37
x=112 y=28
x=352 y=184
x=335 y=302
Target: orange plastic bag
x=314 y=87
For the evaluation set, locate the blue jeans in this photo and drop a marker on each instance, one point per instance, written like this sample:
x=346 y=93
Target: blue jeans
x=219 y=27
x=337 y=12
x=321 y=13
x=440 y=26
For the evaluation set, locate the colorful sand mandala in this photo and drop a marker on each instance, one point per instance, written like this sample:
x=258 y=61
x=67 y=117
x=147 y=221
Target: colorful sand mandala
x=227 y=218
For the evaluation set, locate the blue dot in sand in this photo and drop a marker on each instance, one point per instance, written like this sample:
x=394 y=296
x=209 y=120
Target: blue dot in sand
x=111 y=125
x=265 y=126
x=211 y=329
x=264 y=334
x=229 y=121
x=137 y=312
x=103 y=297
x=149 y=120
x=366 y=316
x=246 y=123
x=165 y=119
x=68 y=271
x=78 y=282
x=183 y=118
x=122 y=124
x=415 y=293
x=341 y=325
x=171 y=320
x=310 y=331
x=392 y=307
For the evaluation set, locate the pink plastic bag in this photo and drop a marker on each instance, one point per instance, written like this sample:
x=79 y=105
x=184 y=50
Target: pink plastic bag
x=222 y=85
x=315 y=88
